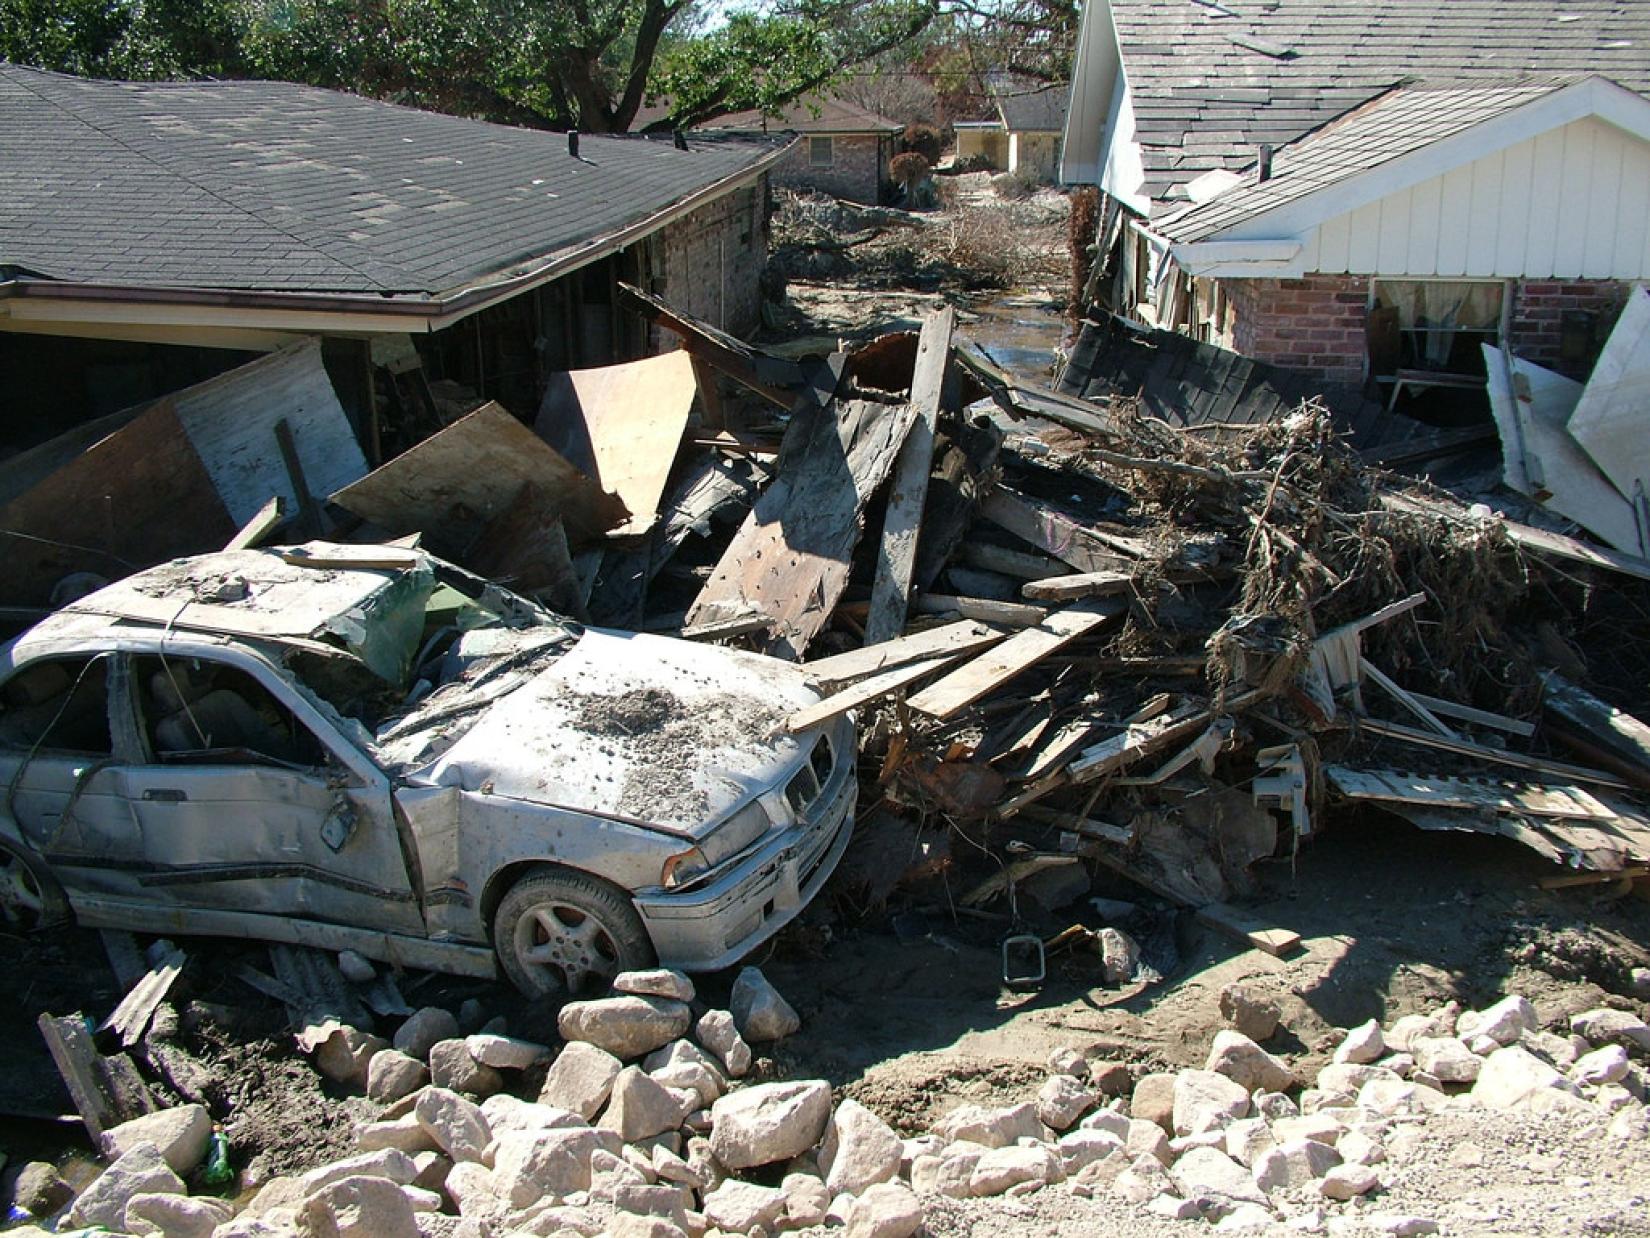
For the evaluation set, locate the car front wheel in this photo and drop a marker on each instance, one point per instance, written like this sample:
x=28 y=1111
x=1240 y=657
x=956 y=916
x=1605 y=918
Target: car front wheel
x=28 y=900
x=563 y=932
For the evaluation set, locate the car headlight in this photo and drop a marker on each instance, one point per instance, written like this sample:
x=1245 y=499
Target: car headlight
x=683 y=868
x=738 y=832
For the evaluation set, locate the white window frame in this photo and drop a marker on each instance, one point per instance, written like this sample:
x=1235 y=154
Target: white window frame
x=814 y=146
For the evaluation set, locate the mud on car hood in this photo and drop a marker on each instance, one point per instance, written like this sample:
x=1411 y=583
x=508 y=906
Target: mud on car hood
x=665 y=732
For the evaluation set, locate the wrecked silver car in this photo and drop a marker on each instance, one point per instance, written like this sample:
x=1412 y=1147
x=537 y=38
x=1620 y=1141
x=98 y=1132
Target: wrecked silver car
x=365 y=747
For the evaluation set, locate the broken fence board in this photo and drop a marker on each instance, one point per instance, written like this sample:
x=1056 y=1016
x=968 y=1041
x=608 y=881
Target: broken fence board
x=1445 y=792
x=864 y=690
x=452 y=483
x=622 y=424
x=1141 y=739
x=897 y=557
x=1018 y=653
x=791 y=557
x=1383 y=681
x=1277 y=942
x=963 y=636
x=1477 y=717
x=1080 y=585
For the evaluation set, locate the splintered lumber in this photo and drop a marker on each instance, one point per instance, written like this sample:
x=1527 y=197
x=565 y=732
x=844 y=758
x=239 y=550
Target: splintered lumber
x=1139 y=739
x=858 y=693
x=106 y=1091
x=891 y=591
x=1477 y=717
x=323 y=555
x=1387 y=685
x=454 y=482
x=986 y=610
x=990 y=670
x=1274 y=941
x=1058 y=750
x=769 y=376
x=1445 y=792
x=622 y=425
x=1079 y=585
x=790 y=559
x=1052 y=531
x=1605 y=733
x=1018 y=563
x=264 y=522
x=964 y=636
x=1466 y=748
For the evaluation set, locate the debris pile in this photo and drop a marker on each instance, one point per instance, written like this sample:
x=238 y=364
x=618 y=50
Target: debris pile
x=654 y=1117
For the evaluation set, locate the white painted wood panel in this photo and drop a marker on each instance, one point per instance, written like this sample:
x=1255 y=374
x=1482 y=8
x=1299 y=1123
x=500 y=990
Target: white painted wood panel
x=1485 y=215
x=1393 y=251
x=1365 y=242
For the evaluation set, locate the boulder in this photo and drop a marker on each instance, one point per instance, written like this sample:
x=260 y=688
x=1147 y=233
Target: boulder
x=452 y=1067
x=388 y=1163
x=1062 y=1100
x=528 y=1165
x=632 y=1225
x=669 y=1167
x=1002 y=1168
x=991 y=1128
x=1205 y=1100
x=769 y=1122
x=1446 y=1059
x=1147 y=1139
x=1067 y=1061
x=1361 y=1147
x=610 y=1172
x=627 y=1026
x=1111 y=1078
x=656 y=982
x=423 y=1029
x=340 y=1052
x=738 y=1207
x=175 y=1216
x=404 y=1133
x=858 y=1151
x=392 y=1074
x=1144 y=1179
x=1246 y=1218
x=1249 y=1011
x=1402 y=1034
x=956 y=1169
x=1601 y=1066
x=1362 y=1045
x=759 y=1012
x=806 y=1200
x=1173 y=1208
x=1504 y=1022
x=505 y=1052
x=1246 y=1139
x=181 y=1134
x=1108 y=1120
x=1209 y=1171
x=641 y=1107
x=1511 y=1074
x=704 y=1082
x=1603 y=1025
x=1080 y=1149
x=358 y=1208
x=1246 y=1064
x=670 y=1202
x=510 y=1113
x=1294 y=1164
x=886 y=1210
x=1346 y=1181
x=1153 y=1099
x=1345 y=1078
x=717 y=1031
x=140 y=1170
x=40 y=1190
x=456 y=1125
x=580 y=1079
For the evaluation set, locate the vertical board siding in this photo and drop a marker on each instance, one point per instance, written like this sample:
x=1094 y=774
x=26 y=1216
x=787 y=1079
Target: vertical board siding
x=1572 y=203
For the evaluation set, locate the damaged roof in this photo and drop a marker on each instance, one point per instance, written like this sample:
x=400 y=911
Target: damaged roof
x=278 y=187
x=1210 y=81
x=812 y=114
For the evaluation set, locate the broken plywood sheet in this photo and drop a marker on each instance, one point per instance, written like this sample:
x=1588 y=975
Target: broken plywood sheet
x=790 y=559
x=1613 y=412
x=139 y=497
x=1531 y=406
x=622 y=425
x=1494 y=794
x=230 y=421
x=454 y=482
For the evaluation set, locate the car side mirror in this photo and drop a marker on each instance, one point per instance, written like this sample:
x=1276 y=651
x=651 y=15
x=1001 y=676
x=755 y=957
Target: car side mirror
x=339 y=827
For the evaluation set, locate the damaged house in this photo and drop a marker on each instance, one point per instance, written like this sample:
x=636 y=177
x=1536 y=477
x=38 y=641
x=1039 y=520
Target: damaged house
x=153 y=235
x=1023 y=138
x=1370 y=191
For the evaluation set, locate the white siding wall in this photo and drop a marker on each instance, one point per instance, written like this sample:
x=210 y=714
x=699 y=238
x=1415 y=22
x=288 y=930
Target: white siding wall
x=1573 y=203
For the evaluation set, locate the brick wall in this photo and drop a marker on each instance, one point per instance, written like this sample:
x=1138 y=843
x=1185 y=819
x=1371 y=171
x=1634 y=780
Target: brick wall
x=1536 y=328
x=1315 y=323
x=710 y=262
x=855 y=172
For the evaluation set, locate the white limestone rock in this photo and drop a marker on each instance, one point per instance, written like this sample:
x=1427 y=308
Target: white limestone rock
x=1504 y=1022
x=717 y=1031
x=1244 y=1062
x=626 y=1026
x=769 y=1122
x=1002 y=1168
x=1294 y=1164
x=737 y=1207
x=1362 y=1045
x=1209 y=1171
x=180 y=1133
x=859 y=1150
x=423 y=1029
x=1062 y=1100
x=1511 y=1074
x=1205 y=1100
x=505 y=1052
x=993 y=1128
x=140 y=1170
x=886 y=1210
x=655 y=982
x=1347 y=1181
x=1601 y=1066
x=759 y=1011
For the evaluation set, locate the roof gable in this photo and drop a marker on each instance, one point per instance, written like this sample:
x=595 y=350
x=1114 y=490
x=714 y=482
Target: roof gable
x=1039 y=109
x=811 y=114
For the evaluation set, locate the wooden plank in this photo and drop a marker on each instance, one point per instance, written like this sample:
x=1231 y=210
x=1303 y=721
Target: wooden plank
x=622 y=425
x=1139 y=739
x=1466 y=748
x=1609 y=732
x=1079 y=585
x=1279 y=943
x=963 y=636
x=891 y=589
x=525 y=548
x=1445 y=792
x=455 y=481
x=1386 y=684
x=791 y=557
x=350 y=555
x=1061 y=748
x=1018 y=563
x=990 y=670
x=1052 y=531
x=864 y=690
x=773 y=378
x=1478 y=717
x=265 y=522
x=105 y=1091
x=985 y=610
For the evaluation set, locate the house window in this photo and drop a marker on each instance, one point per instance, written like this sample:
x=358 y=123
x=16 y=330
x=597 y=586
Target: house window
x=1433 y=324
x=820 y=154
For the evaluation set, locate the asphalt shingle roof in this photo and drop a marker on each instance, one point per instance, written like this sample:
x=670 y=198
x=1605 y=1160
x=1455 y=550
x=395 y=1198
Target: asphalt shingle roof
x=274 y=186
x=1212 y=81
x=1038 y=110
x=1391 y=125
x=834 y=116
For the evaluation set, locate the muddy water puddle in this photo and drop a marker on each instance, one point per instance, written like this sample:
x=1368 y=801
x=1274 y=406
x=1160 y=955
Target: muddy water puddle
x=1019 y=332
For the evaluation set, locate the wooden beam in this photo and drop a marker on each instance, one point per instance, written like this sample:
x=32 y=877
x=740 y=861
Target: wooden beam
x=897 y=558
x=1386 y=684
x=990 y=670
x=1277 y=942
x=1478 y=717
x=985 y=610
x=1017 y=563
x=1052 y=531
x=963 y=636
x=862 y=691
x=1080 y=585
x=267 y=519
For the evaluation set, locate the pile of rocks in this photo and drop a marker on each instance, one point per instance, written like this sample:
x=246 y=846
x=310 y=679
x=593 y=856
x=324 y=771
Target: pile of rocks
x=643 y=1126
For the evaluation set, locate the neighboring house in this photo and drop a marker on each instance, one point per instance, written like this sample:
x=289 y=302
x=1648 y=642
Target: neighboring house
x=1023 y=138
x=1370 y=189
x=153 y=234
x=845 y=150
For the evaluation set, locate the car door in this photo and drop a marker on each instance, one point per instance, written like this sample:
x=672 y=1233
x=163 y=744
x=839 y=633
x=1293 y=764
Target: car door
x=63 y=784
x=245 y=803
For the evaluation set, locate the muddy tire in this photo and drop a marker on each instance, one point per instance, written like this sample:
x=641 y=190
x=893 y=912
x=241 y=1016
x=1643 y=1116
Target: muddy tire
x=559 y=932
x=30 y=898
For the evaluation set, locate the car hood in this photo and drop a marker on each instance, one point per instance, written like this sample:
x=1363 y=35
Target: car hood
x=665 y=732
